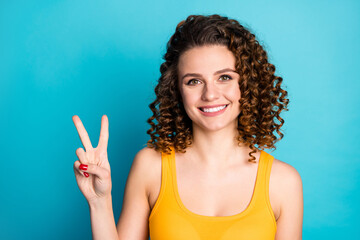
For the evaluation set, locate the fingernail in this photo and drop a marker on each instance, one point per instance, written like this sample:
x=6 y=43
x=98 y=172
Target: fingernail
x=83 y=167
x=86 y=174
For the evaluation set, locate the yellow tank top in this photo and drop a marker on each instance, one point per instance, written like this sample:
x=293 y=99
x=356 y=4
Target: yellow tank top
x=170 y=219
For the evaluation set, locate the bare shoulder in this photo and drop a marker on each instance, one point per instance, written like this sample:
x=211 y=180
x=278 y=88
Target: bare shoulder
x=147 y=156
x=133 y=220
x=285 y=174
x=147 y=163
x=288 y=198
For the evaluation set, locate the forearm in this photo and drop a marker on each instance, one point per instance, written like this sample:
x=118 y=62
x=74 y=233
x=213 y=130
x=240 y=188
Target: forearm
x=102 y=220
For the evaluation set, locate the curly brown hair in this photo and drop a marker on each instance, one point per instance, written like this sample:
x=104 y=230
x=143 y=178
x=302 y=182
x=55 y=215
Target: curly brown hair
x=262 y=98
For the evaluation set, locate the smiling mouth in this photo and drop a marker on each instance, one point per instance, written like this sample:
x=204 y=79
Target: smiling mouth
x=214 y=109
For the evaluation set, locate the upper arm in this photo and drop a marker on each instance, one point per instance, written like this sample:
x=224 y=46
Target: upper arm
x=133 y=221
x=289 y=223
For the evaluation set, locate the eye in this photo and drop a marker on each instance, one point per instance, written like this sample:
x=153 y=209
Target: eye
x=193 y=82
x=225 y=77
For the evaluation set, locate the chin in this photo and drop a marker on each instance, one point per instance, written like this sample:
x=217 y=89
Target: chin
x=214 y=127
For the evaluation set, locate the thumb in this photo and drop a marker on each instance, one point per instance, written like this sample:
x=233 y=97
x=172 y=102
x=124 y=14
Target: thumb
x=93 y=169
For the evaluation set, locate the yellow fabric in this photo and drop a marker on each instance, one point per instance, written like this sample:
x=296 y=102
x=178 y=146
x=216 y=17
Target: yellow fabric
x=171 y=220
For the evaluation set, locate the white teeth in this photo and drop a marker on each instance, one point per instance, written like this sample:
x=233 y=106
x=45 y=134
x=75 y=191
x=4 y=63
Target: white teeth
x=216 y=109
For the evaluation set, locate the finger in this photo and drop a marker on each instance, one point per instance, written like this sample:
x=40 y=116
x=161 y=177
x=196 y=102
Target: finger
x=94 y=169
x=77 y=169
x=80 y=153
x=104 y=133
x=84 y=137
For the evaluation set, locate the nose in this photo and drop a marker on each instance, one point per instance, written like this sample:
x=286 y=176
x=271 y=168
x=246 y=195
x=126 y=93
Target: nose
x=210 y=92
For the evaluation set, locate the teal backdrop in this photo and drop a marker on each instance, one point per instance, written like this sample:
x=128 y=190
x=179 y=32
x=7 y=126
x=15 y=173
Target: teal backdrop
x=89 y=58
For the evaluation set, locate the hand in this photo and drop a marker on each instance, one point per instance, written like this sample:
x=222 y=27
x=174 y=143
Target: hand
x=94 y=178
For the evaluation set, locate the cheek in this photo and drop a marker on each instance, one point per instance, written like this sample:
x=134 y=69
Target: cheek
x=188 y=101
x=189 y=98
x=238 y=94
x=233 y=93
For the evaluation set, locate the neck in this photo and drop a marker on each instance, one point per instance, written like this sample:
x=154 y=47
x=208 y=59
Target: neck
x=216 y=149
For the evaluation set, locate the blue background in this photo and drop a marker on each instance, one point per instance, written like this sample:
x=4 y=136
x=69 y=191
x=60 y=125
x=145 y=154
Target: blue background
x=61 y=58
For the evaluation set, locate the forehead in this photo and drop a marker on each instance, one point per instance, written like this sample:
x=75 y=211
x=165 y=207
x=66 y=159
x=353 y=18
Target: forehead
x=206 y=59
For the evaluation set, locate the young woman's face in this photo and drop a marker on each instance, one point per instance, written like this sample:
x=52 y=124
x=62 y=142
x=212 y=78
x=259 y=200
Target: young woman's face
x=209 y=87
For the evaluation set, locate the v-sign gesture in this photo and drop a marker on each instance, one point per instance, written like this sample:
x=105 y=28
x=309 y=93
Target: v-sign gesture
x=92 y=170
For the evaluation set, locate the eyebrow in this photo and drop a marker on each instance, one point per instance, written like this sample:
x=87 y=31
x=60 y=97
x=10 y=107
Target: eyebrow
x=215 y=73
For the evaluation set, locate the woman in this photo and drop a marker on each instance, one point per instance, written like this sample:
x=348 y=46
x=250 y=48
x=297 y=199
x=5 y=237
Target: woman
x=204 y=174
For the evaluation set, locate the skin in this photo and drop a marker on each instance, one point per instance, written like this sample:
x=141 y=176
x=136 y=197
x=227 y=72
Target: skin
x=201 y=86
x=214 y=171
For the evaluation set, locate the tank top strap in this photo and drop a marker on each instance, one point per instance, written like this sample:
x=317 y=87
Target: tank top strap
x=166 y=188
x=263 y=179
